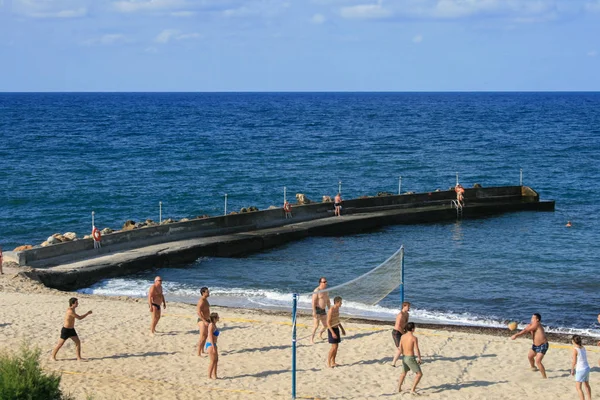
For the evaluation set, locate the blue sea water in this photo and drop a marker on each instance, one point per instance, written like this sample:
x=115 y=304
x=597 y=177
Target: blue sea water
x=63 y=155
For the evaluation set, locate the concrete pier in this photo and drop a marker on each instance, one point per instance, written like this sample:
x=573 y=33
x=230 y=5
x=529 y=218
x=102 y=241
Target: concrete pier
x=80 y=265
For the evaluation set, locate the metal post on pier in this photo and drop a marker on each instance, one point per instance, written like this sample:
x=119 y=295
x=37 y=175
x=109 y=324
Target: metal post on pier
x=225 y=212
x=340 y=187
x=284 y=194
x=457 y=179
x=521 y=177
x=400 y=185
x=93 y=213
x=160 y=212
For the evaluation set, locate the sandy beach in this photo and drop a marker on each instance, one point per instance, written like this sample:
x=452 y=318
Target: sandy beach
x=124 y=362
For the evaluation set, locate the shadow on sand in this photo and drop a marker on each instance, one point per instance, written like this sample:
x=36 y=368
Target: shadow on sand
x=132 y=355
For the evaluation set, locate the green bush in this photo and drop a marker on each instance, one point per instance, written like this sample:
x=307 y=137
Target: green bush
x=22 y=378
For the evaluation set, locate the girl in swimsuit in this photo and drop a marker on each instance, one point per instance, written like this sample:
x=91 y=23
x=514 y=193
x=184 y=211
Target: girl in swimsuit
x=211 y=346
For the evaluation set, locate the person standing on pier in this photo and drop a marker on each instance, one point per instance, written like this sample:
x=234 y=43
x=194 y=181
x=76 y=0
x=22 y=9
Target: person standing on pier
x=203 y=311
x=68 y=329
x=155 y=298
x=320 y=303
x=337 y=203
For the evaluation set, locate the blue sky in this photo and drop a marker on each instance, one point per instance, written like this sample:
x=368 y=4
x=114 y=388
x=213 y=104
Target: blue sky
x=299 y=45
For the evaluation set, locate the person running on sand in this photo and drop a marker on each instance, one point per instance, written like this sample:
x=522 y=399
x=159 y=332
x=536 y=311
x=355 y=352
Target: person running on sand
x=203 y=311
x=211 y=345
x=320 y=303
x=337 y=203
x=155 y=298
x=540 y=343
x=580 y=368
x=68 y=330
x=333 y=331
x=409 y=346
x=400 y=329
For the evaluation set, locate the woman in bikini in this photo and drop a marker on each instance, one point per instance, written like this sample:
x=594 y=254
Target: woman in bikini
x=211 y=346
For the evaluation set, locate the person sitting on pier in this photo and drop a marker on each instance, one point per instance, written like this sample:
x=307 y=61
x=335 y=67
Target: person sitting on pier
x=337 y=203
x=460 y=191
x=287 y=208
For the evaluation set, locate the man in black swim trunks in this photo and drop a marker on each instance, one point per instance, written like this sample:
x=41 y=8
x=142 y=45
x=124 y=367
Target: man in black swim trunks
x=68 y=330
x=155 y=298
x=400 y=329
x=320 y=302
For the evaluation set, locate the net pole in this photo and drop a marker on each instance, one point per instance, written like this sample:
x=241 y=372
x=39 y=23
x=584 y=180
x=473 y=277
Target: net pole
x=294 y=308
x=402 y=274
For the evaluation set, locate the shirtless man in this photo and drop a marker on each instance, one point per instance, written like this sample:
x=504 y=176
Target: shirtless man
x=203 y=311
x=337 y=203
x=599 y=341
x=320 y=302
x=409 y=345
x=333 y=330
x=540 y=343
x=155 y=298
x=459 y=194
x=399 y=329
x=68 y=330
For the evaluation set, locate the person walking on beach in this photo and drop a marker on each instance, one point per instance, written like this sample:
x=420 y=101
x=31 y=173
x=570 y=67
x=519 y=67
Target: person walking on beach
x=211 y=346
x=333 y=331
x=203 y=311
x=409 y=346
x=337 y=203
x=155 y=298
x=599 y=341
x=580 y=368
x=68 y=329
x=400 y=329
x=320 y=303
x=540 y=343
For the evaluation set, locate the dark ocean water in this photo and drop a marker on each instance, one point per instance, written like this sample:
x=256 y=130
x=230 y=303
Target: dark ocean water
x=64 y=155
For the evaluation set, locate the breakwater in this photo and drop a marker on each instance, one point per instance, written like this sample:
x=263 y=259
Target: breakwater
x=77 y=264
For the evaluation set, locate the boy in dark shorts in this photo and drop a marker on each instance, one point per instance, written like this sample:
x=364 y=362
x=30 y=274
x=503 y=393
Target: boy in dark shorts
x=68 y=330
x=333 y=330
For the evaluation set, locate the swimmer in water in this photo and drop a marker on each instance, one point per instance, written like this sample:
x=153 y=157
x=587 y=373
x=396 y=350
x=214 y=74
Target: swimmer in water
x=568 y=225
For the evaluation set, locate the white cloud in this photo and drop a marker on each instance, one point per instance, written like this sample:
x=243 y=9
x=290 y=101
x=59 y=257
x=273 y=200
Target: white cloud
x=106 y=40
x=417 y=39
x=151 y=50
x=593 y=6
x=365 y=11
x=132 y=6
x=174 y=34
x=50 y=8
x=183 y=14
x=510 y=10
x=318 y=19
x=592 y=53
x=166 y=35
x=188 y=36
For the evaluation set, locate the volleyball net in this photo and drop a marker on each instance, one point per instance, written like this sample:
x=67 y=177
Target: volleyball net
x=368 y=289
